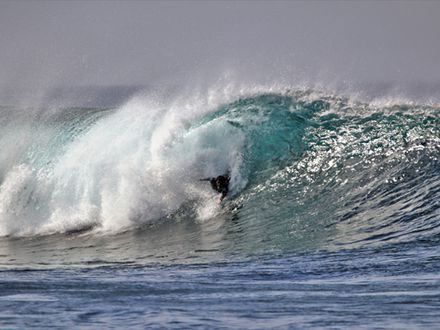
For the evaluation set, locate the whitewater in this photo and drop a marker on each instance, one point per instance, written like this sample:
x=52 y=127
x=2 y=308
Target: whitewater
x=332 y=220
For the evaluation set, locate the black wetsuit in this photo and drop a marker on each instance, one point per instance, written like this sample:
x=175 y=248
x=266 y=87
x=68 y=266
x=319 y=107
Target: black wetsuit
x=220 y=184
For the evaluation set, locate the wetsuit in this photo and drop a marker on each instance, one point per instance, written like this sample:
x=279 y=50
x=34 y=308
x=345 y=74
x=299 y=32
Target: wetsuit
x=220 y=184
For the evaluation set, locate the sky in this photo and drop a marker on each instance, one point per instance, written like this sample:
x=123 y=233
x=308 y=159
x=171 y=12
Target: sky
x=86 y=43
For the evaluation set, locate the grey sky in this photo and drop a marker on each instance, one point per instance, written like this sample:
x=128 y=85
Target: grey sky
x=124 y=43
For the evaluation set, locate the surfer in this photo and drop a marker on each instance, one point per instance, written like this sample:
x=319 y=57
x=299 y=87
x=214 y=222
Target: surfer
x=219 y=184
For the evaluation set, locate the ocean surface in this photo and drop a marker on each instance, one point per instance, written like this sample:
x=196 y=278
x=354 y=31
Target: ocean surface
x=332 y=221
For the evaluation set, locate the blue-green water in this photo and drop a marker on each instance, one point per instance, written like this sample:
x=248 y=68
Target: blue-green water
x=332 y=221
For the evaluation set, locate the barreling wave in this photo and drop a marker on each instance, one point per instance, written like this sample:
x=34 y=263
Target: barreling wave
x=306 y=170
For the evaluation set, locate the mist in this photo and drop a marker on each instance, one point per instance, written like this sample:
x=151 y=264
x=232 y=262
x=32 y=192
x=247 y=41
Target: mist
x=49 y=47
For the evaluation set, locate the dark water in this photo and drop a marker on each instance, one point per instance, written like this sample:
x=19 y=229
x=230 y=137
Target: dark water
x=393 y=287
x=333 y=219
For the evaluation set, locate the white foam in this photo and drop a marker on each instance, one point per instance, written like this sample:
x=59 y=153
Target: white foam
x=137 y=165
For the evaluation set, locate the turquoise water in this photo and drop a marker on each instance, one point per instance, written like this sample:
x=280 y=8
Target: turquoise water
x=332 y=221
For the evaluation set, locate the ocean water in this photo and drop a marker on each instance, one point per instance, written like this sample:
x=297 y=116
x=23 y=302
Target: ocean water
x=333 y=220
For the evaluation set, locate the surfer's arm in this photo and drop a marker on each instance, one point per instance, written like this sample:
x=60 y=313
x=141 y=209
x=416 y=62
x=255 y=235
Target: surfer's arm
x=220 y=199
x=222 y=196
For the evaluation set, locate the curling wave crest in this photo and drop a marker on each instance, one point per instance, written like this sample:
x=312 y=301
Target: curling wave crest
x=306 y=169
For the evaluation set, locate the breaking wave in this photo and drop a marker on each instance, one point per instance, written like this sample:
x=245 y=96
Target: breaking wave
x=306 y=169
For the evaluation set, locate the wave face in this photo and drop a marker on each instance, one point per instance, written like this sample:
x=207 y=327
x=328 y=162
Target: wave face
x=307 y=170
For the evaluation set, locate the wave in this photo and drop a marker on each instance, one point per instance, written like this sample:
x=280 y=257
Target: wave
x=306 y=169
